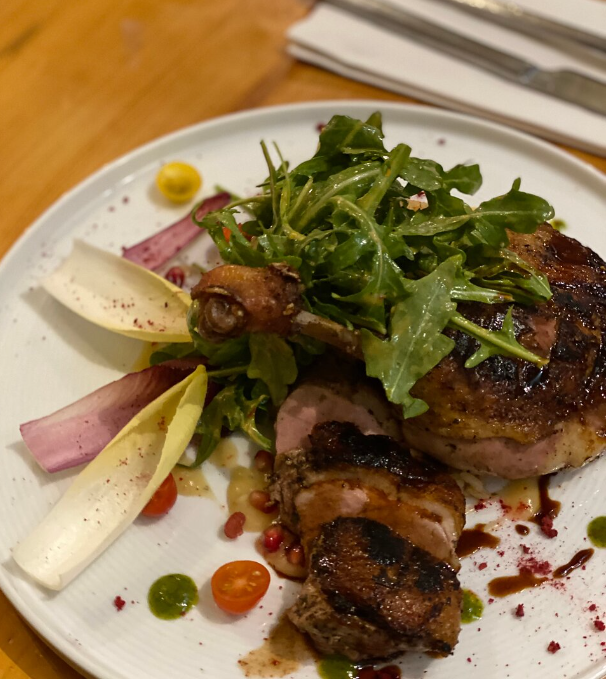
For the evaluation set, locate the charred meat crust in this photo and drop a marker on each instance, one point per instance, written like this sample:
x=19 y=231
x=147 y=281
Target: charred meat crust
x=234 y=300
x=507 y=397
x=341 y=444
x=371 y=593
x=346 y=473
x=340 y=451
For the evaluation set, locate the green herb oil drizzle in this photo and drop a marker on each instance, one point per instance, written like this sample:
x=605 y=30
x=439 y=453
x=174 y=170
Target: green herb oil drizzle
x=472 y=607
x=171 y=596
x=596 y=532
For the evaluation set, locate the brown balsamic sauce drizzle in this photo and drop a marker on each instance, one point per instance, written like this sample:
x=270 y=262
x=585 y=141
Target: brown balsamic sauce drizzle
x=475 y=538
x=578 y=560
x=521 y=529
x=513 y=584
x=547 y=506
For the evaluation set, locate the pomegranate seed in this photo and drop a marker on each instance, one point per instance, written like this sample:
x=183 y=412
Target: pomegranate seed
x=264 y=461
x=367 y=673
x=390 y=672
x=234 y=526
x=295 y=554
x=273 y=537
x=261 y=500
x=176 y=276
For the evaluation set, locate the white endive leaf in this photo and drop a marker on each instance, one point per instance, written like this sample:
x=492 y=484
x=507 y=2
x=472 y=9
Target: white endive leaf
x=111 y=491
x=120 y=296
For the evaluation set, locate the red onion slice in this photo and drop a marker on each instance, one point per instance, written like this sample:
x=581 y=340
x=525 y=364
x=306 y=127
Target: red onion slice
x=155 y=251
x=79 y=432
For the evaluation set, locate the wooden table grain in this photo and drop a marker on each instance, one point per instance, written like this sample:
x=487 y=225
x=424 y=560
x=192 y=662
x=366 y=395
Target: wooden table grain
x=84 y=82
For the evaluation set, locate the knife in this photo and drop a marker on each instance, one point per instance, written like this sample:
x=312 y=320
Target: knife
x=521 y=20
x=563 y=84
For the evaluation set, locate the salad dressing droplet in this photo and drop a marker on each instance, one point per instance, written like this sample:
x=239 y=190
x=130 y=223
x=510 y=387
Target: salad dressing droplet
x=243 y=481
x=475 y=538
x=280 y=655
x=578 y=560
x=522 y=498
x=225 y=455
x=192 y=482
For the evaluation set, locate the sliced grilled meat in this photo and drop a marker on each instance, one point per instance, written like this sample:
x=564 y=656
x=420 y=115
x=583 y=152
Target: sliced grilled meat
x=506 y=417
x=373 y=594
x=334 y=397
x=346 y=473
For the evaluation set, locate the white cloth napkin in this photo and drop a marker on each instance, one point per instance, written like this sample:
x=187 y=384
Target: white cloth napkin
x=342 y=42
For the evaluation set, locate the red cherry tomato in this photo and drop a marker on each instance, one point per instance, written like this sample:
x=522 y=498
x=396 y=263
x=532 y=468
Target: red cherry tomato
x=163 y=499
x=238 y=586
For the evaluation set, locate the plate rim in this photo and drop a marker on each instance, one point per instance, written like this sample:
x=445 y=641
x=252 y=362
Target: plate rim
x=87 y=664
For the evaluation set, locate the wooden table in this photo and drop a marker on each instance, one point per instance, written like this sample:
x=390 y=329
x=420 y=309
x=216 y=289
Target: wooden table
x=83 y=82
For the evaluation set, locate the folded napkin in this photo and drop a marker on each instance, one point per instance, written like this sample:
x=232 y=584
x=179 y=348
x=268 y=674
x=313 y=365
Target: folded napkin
x=342 y=42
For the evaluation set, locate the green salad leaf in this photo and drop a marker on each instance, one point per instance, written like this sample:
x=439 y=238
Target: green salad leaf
x=234 y=409
x=273 y=362
x=415 y=343
x=385 y=244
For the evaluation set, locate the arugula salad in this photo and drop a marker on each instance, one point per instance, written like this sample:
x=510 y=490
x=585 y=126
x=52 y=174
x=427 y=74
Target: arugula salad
x=385 y=244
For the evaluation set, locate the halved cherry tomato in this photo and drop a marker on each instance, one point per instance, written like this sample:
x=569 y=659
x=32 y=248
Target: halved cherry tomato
x=163 y=499
x=239 y=585
x=179 y=182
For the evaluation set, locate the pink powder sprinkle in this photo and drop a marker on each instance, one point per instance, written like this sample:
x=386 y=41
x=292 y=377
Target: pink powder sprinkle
x=553 y=647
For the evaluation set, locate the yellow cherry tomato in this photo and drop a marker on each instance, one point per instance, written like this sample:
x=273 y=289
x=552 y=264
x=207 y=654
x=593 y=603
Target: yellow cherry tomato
x=179 y=182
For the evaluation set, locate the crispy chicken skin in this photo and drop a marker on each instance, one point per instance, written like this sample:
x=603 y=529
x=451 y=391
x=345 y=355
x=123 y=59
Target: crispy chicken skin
x=346 y=473
x=234 y=300
x=372 y=593
x=507 y=417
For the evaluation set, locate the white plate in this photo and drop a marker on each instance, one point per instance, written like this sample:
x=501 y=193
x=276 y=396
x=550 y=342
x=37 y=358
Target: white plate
x=49 y=357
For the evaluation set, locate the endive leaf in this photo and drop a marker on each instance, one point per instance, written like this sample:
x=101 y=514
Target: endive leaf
x=78 y=432
x=111 y=491
x=120 y=296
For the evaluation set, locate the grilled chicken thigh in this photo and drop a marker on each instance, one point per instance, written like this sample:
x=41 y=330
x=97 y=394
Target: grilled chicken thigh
x=507 y=417
x=366 y=510
x=372 y=594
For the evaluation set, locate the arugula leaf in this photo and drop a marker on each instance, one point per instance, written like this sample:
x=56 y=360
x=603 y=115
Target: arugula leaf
x=416 y=343
x=272 y=361
x=516 y=210
x=464 y=178
x=232 y=409
x=343 y=131
x=390 y=170
x=493 y=342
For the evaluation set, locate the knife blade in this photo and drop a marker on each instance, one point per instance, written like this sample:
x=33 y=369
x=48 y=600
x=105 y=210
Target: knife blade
x=567 y=85
x=521 y=20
